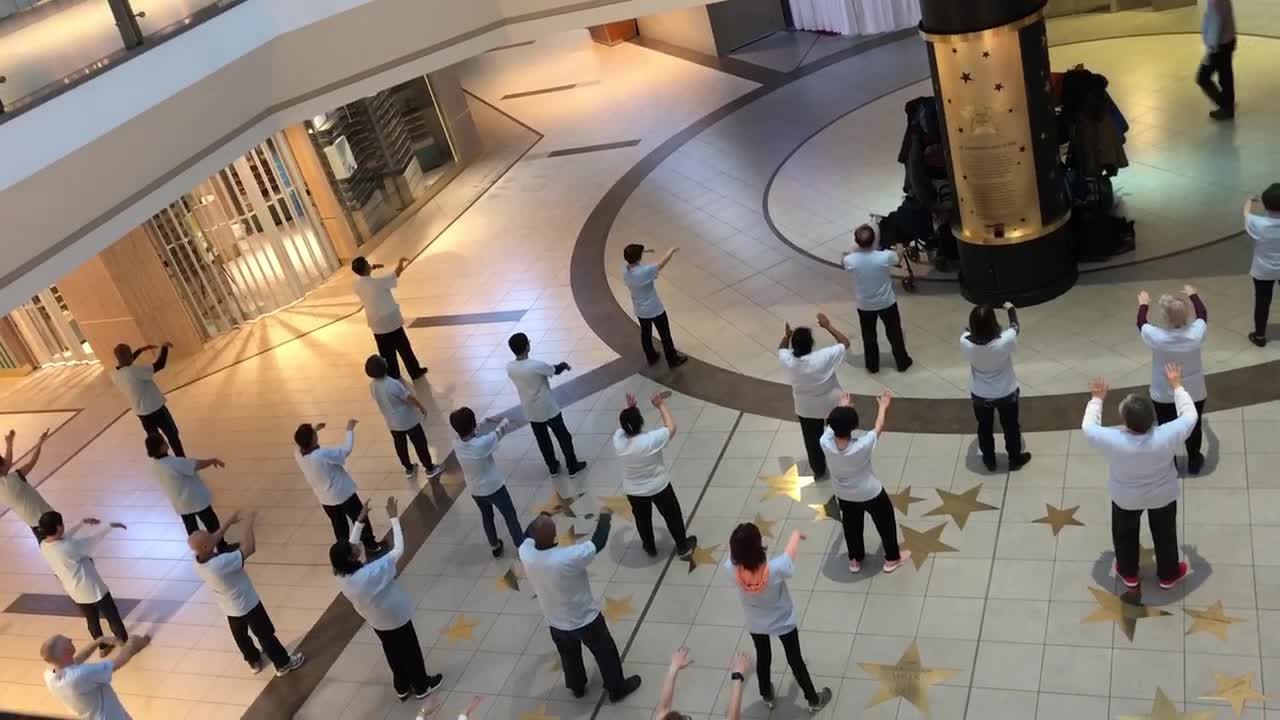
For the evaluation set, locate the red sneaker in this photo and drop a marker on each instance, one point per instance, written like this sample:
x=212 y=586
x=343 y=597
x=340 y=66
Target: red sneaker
x=1129 y=582
x=1182 y=573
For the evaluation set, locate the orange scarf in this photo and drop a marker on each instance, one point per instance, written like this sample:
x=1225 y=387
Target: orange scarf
x=753 y=581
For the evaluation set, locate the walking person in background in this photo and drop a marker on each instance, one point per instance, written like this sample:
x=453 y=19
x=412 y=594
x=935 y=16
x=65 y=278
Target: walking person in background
x=138 y=383
x=484 y=481
x=1218 y=30
x=71 y=559
x=325 y=470
x=766 y=602
x=16 y=490
x=739 y=666
x=814 y=385
x=1263 y=225
x=1178 y=343
x=404 y=415
x=179 y=479
x=85 y=687
x=383 y=315
x=532 y=379
x=644 y=475
x=378 y=598
x=873 y=294
x=993 y=385
x=640 y=279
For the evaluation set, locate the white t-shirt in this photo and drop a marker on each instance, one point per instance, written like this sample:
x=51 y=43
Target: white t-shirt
x=850 y=468
x=479 y=471
x=644 y=473
x=991 y=374
x=181 y=483
x=325 y=471
x=1142 y=473
x=373 y=590
x=137 y=382
x=26 y=502
x=86 y=690
x=380 y=307
x=813 y=380
x=1182 y=346
x=393 y=401
x=70 y=560
x=872 y=283
x=225 y=575
x=644 y=294
x=559 y=578
x=532 y=379
x=1265 y=231
x=770 y=611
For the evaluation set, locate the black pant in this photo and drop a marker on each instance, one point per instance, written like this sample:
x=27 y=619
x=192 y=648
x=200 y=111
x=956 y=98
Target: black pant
x=542 y=433
x=1261 y=305
x=259 y=623
x=1163 y=522
x=161 y=422
x=1223 y=94
x=349 y=509
x=892 y=330
x=595 y=635
x=208 y=518
x=502 y=501
x=104 y=608
x=812 y=429
x=404 y=656
x=669 y=506
x=664 y=332
x=397 y=341
x=1168 y=412
x=791 y=646
x=985 y=410
x=401 y=438
x=880 y=508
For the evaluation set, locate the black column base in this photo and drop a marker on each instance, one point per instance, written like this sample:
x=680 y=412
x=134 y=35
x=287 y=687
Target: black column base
x=1024 y=274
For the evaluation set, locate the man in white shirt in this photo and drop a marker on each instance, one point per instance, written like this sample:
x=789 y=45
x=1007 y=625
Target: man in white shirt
x=1179 y=342
x=1218 y=30
x=532 y=379
x=84 y=687
x=1143 y=477
x=474 y=451
x=404 y=415
x=650 y=311
x=560 y=580
x=644 y=475
x=15 y=490
x=225 y=574
x=325 y=470
x=179 y=479
x=383 y=314
x=1263 y=225
x=71 y=559
x=138 y=383
x=873 y=294
x=814 y=385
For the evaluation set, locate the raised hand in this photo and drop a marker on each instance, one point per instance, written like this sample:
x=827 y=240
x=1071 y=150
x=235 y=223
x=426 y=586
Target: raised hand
x=1007 y=305
x=215 y=462
x=885 y=398
x=800 y=535
x=91 y=521
x=1173 y=373
x=1144 y=298
x=824 y=322
x=845 y=400
x=680 y=658
x=1188 y=290
x=1098 y=388
x=119 y=526
x=393 y=507
x=43 y=436
x=741 y=662
x=658 y=399
x=364 y=510
x=351 y=424
x=631 y=400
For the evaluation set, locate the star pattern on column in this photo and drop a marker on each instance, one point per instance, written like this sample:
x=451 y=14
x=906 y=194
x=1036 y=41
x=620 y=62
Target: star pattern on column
x=999 y=87
x=986 y=54
x=966 y=77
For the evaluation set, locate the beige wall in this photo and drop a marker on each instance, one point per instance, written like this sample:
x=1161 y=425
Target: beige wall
x=687 y=27
x=326 y=202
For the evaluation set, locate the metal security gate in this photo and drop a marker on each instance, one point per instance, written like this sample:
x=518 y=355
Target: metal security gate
x=50 y=331
x=245 y=242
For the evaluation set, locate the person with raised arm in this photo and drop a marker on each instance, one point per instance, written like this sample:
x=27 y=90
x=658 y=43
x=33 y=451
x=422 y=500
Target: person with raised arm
x=382 y=312
x=738 y=667
x=993 y=385
x=814 y=385
x=1262 y=223
x=85 y=687
x=16 y=490
x=874 y=298
x=137 y=381
x=179 y=479
x=532 y=379
x=70 y=556
x=325 y=470
x=404 y=415
x=645 y=481
x=1179 y=341
x=485 y=482
x=639 y=279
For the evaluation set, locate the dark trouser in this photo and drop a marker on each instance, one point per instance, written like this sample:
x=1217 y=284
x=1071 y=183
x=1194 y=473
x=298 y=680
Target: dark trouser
x=401 y=439
x=1163 y=522
x=104 y=608
x=404 y=656
x=542 y=433
x=892 y=330
x=1168 y=412
x=664 y=333
x=161 y=422
x=502 y=501
x=985 y=409
x=397 y=341
x=791 y=646
x=669 y=506
x=1223 y=94
x=595 y=635
x=1261 y=305
x=880 y=508
x=812 y=429
x=259 y=623
x=349 y=509
x=208 y=518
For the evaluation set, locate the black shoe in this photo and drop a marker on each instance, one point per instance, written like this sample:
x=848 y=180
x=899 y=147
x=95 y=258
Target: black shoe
x=1015 y=464
x=1259 y=340
x=403 y=696
x=419 y=374
x=690 y=542
x=678 y=361
x=651 y=551
x=629 y=686
x=1195 y=463
x=824 y=697
x=497 y=549
x=906 y=365
x=106 y=650
x=653 y=359
x=578 y=693
x=873 y=370
x=1223 y=114
x=575 y=470
x=989 y=464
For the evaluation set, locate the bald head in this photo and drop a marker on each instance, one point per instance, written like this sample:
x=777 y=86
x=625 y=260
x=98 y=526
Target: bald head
x=58 y=651
x=201 y=543
x=543 y=531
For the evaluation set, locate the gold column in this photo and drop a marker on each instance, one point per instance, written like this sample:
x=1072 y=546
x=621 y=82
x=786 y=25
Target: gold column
x=325 y=200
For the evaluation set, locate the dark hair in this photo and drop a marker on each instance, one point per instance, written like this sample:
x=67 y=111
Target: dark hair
x=1137 y=413
x=304 y=435
x=843 y=420
x=1271 y=197
x=983 y=325
x=519 y=343
x=49 y=523
x=632 y=253
x=156 y=446
x=864 y=236
x=342 y=560
x=745 y=546
x=673 y=715
x=463 y=421
x=360 y=266
x=375 y=367
x=801 y=341
x=631 y=421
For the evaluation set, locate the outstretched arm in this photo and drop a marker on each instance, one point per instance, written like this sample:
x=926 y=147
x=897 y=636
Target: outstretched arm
x=8 y=446
x=825 y=323
x=163 y=358
x=1202 y=313
x=400 y=266
x=1013 y=316
x=132 y=646
x=211 y=462
x=1144 y=303
x=668 y=420
x=666 y=258
x=601 y=535
x=882 y=409
x=249 y=543
x=138 y=353
x=786 y=337
x=793 y=546
x=679 y=660
x=226 y=525
x=741 y=664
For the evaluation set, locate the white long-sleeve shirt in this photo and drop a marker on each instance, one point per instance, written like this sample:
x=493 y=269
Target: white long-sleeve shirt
x=373 y=590
x=1181 y=346
x=326 y=472
x=1142 y=472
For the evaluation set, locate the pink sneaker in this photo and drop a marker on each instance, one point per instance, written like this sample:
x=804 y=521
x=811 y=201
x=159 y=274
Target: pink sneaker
x=1129 y=582
x=1182 y=573
x=855 y=566
x=891 y=565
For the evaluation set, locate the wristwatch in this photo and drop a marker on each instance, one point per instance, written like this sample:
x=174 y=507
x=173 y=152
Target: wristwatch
x=735 y=675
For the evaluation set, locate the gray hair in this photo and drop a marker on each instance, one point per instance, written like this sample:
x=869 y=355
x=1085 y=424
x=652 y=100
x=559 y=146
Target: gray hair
x=1137 y=413
x=1174 y=309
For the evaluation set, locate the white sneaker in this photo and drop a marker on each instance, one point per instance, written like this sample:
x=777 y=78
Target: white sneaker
x=891 y=565
x=435 y=471
x=258 y=666
x=855 y=566
x=411 y=471
x=295 y=662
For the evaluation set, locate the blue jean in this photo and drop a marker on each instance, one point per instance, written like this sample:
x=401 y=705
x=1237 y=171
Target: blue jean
x=502 y=501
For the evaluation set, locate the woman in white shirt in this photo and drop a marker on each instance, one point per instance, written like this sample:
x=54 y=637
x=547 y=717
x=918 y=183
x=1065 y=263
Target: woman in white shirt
x=70 y=558
x=376 y=596
x=644 y=475
x=1179 y=342
x=993 y=386
x=1263 y=225
x=813 y=381
x=857 y=489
